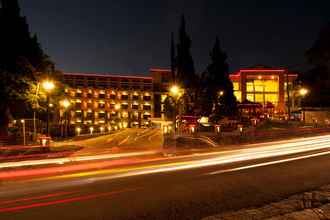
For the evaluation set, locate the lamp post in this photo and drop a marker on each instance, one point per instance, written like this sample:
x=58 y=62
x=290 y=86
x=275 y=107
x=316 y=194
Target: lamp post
x=65 y=104
x=23 y=127
x=175 y=92
x=48 y=87
x=303 y=92
x=36 y=104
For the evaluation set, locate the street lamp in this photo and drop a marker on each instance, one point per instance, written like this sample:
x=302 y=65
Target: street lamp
x=175 y=92
x=91 y=129
x=48 y=87
x=24 y=136
x=303 y=92
x=65 y=104
x=78 y=130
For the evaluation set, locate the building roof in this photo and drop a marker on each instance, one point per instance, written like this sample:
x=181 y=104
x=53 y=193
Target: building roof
x=108 y=75
x=164 y=70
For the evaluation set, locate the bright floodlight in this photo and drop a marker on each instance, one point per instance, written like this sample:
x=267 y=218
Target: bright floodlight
x=65 y=103
x=303 y=92
x=175 y=90
x=48 y=85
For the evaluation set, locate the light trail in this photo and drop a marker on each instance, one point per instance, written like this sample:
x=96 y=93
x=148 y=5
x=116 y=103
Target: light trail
x=266 y=150
x=63 y=201
x=72 y=159
x=269 y=163
x=36 y=198
x=237 y=156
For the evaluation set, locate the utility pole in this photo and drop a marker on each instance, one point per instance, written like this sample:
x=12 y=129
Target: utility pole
x=23 y=128
x=288 y=94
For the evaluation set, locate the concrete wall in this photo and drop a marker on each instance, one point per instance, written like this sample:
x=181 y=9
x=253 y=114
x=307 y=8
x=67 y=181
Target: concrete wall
x=321 y=116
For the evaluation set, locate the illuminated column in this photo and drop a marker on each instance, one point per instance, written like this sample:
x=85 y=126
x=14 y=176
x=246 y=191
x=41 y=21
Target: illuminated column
x=281 y=95
x=243 y=85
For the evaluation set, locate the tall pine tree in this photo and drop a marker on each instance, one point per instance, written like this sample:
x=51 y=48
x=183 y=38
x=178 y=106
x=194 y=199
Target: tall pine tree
x=317 y=79
x=217 y=84
x=185 y=69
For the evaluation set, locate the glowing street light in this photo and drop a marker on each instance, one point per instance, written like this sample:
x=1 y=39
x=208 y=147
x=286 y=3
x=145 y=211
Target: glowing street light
x=78 y=130
x=221 y=93
x=91 y=129
x=175 y=90
x=23 y=127
x=65 y=104
x=48 y=85
x=303 y=92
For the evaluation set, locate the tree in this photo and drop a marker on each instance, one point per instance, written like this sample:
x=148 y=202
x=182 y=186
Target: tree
x=185 y=69
x=317 y=79
x=185 y=74
x=22 y=63
x=217 y=89
x=173 y=57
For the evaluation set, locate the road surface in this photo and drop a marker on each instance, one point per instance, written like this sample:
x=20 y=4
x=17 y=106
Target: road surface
x=130 y=139
x=186 y=187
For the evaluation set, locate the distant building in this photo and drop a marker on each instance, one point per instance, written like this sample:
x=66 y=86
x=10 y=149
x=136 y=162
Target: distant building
x=105 y=102
x=102 y=102
x=264 y=85
x=260 y=84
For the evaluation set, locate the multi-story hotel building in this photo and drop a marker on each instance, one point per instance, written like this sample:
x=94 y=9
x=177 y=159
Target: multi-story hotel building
x=103 y=102
x=258 y=84
x=264 y=85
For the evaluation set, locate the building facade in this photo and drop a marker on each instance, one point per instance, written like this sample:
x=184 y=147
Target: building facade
x=259 y=84
x=102 y=102
x=266 y=86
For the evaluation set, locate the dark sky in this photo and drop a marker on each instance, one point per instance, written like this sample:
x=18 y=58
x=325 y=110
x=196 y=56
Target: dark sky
x=130 y=36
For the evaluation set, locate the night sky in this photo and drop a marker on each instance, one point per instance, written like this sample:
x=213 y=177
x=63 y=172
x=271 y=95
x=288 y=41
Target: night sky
x=130 y=36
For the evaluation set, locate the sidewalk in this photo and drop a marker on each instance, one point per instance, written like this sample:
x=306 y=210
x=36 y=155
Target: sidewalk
x=313 y=205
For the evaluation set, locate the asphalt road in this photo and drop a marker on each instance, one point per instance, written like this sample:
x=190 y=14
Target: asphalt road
x=130 y=139
x=188 y=187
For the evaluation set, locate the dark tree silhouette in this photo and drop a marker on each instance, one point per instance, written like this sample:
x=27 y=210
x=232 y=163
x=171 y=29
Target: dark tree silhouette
x=185 y=74
x=22 y=62
x=173 y=58
x=317 y=79
x=185 y=69
x=218 y=91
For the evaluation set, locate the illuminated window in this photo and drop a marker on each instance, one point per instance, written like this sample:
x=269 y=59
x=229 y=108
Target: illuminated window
x=250 y=97
x=135 y=106
x=147 y=107
x=272 y=98
x=249 y=87
x=125 y=115
x=236 y=86
x=124 y=106
x=238 y=95
x=259 y=98
x=163 y=98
